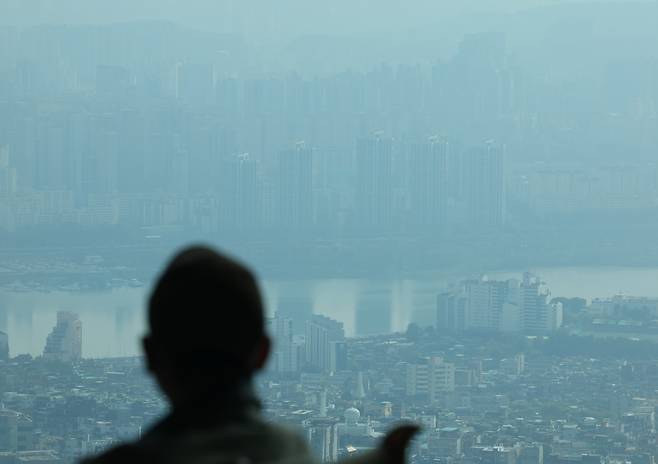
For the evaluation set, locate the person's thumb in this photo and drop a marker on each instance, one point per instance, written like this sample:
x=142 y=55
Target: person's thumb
x=397 y=441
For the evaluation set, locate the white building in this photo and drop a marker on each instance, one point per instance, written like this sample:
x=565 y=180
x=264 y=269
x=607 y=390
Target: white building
x=321 y=331
x=506 y=306
x=285 y=350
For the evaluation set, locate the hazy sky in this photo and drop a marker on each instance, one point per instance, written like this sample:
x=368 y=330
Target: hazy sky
x=254 y=16
x=377 y=30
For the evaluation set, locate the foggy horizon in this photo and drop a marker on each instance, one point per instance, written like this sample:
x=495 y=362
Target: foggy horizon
x=449 y=209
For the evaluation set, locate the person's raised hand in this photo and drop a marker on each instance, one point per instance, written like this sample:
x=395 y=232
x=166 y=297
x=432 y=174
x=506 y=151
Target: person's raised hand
x=396 y=442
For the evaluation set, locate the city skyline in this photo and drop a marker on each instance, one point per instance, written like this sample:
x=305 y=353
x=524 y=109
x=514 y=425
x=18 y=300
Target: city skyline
x=426 y=212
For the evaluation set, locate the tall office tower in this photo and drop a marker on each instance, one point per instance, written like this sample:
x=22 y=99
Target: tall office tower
x=484 y=176
x=485 y=300
x=321 y=331
x=433 y=378
x=4 y=346
x=322 y=436
x=374 y=190
x=427 y=182
x=451 y=312
x=64 y=343
x=284 y=354
x=294 y=187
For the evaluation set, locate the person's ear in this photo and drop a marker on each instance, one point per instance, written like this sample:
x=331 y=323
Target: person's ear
x=262 y=353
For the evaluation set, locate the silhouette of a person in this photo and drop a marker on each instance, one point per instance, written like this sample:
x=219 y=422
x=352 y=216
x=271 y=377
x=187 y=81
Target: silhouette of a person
x=207 y=339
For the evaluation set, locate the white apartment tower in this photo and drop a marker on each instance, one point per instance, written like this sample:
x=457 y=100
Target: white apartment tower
x=321 y=335
x=284 y=353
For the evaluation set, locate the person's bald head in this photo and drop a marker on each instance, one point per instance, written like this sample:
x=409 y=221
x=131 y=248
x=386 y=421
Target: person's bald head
x=206 y=318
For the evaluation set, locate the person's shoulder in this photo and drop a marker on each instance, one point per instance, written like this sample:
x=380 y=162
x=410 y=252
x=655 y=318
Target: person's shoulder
x=284 y=440
x=128 y=454
x=283 y=445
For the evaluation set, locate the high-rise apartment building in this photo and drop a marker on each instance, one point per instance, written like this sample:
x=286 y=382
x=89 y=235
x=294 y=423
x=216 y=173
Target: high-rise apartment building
x=507 y=306
x=427 y=182
x=451 y=311
x=337 y=355
x=484 y=303
x=294 y=187
x=64 y=343
x=537 y=314
x=484 y=177
x=374 y=189
x=285 y=353
x=242 y=193
x=321 y=333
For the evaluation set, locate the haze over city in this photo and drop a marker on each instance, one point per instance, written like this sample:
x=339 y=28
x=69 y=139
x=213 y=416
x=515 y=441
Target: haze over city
x=451 y=209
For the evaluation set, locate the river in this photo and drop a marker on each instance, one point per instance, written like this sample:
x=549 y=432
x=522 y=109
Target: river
x=113 y=320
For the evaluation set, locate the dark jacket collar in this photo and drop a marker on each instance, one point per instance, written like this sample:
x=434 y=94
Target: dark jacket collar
x=222 y=407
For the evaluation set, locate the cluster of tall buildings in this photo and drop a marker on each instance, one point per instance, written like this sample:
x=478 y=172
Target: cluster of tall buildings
x=499 y=306
x=64 y=343
x=321 y=349
x=176 y=130
x=379 y=184
x=200 y=143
